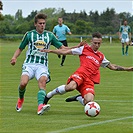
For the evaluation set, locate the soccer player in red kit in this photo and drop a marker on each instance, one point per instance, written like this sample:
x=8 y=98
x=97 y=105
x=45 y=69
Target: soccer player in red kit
x=88 y=74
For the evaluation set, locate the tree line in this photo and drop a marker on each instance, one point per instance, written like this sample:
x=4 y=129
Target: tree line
x=83 y=23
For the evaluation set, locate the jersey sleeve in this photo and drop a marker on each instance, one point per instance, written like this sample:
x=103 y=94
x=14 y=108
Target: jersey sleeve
x=67 y=29
x=77 y=51
x=55 y=42
x=129 y=29
x=105 y=62
x=24 y=41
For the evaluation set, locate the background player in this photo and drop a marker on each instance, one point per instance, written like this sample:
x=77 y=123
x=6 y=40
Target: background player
x=125 y=36
x=60 y=31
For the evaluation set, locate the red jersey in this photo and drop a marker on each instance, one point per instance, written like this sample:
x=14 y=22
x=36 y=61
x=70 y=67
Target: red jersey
x=90 y=61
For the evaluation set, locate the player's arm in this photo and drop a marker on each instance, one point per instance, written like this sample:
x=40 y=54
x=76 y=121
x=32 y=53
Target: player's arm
x=59 y=51
x=16 y=54
x=77 y=46
x=129 y=33
x=22 y=46
x=120 y=32
x=130 y=36
x=119 y=68
x=68 y=30
x=74 y=51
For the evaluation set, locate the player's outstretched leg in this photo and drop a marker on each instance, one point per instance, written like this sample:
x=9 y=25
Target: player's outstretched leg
x=76 y=98
x=73 y=98
x=59 y=90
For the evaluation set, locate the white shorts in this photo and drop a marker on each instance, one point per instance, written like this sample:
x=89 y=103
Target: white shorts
x=124 y=40
x=35 y=70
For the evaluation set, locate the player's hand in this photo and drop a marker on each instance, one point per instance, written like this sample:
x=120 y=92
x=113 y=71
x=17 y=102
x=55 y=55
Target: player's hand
x=82 y=43
x=13 y=61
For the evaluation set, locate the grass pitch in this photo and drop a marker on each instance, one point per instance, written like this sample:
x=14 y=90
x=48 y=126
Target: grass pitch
x=114 y=94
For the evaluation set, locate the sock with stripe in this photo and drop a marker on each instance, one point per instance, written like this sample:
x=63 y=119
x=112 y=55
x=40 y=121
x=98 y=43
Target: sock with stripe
x=59 y=90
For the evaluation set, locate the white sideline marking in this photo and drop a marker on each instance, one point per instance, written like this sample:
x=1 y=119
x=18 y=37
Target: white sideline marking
x=92 y=124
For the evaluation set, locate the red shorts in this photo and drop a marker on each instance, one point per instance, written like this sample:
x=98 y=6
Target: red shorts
x=85 y=85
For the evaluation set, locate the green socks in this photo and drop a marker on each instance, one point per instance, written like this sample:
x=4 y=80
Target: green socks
x=21 y=93
x=126 y=49
x=41 y=95
x=122 y=51
x=126 y=52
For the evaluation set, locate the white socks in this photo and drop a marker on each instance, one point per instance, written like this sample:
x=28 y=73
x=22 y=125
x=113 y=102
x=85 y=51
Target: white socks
x=80 y=99
x=59 y=90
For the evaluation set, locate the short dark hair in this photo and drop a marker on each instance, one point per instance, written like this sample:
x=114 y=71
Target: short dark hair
x=40 y=16
x=124 y=20
x=97 y=35
x=60 y=17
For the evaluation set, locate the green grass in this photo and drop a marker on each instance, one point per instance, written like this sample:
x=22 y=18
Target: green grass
x=114 y=94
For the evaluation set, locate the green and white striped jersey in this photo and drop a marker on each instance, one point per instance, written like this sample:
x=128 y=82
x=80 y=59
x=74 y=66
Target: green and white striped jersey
x=125 y=31
x=36 y=41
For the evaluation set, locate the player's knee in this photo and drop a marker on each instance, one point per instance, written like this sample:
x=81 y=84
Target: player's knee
x=71 y=86
x=88 y=98
x=23 y=84
x=42 y=81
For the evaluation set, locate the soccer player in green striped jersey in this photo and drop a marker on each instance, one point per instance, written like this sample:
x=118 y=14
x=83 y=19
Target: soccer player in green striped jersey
x=36 y=62
x=125 y=36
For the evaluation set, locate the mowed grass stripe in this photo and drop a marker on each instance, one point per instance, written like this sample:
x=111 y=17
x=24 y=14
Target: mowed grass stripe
x=92 y=124
x=114 y=94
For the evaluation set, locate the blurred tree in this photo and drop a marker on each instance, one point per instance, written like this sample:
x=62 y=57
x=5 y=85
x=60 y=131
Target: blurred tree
x=1 y=8
x=94 y=17
x=83 y=15
x=107 y=22
x=1 y=5
x=31 y=15
x=22 y=28
x=6 y=24
x=83 y=27
x=53 y=12
x=107 y=17
x=18 y=14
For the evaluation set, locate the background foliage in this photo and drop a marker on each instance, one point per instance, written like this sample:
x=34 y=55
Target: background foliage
x=106 y=22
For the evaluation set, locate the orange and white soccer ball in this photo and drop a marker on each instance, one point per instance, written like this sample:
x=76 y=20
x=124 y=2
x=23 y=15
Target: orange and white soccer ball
x=92 y=109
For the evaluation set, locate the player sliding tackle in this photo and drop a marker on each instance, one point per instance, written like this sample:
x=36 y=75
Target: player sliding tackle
x=88 y=74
